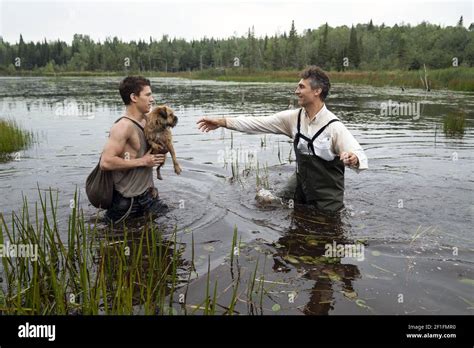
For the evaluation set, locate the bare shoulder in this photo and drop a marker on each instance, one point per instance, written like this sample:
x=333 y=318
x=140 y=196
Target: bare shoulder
x=122 y=129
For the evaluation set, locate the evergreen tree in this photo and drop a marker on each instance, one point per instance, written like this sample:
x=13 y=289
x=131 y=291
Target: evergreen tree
x=353 y=51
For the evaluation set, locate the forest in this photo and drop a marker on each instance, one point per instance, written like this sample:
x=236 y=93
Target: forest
x=364 y=47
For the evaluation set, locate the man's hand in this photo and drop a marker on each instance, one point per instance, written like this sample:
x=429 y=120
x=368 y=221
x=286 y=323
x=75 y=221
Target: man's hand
x=150 y=160
x=207 y=124
x=349 y=159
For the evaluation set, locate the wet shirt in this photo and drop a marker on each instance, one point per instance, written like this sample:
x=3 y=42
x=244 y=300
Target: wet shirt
x=334 y=140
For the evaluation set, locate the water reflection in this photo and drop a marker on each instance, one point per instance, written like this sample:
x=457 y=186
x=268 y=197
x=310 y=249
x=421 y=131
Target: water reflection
x=309 y=246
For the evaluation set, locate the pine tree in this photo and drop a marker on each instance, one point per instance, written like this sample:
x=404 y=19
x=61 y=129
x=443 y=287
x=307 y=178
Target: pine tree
x=371 y=26
x=293 y=47
x=353 y=53
x=323 y=52
x=21 y=48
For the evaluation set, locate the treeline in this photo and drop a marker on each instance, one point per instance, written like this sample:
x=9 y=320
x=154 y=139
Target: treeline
x=363 y=47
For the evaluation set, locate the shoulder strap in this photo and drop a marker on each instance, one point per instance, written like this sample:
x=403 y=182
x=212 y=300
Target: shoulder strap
x=322 y=129
x=310 y=144
x=299 y=120
x=298 y=134
x=136 y=123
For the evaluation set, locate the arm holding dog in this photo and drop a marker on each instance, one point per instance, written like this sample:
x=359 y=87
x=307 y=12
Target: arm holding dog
x=115 y=147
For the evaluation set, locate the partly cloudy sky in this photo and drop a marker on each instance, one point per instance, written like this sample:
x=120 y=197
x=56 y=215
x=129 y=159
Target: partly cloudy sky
x=133 y=20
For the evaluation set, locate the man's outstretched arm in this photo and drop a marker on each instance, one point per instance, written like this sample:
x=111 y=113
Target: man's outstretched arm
x=279 y=123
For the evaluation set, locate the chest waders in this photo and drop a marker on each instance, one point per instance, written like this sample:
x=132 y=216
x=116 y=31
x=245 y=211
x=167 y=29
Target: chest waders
x=318 y=182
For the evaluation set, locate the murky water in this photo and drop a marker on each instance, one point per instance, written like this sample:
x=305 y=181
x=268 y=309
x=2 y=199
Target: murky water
x=410 y=215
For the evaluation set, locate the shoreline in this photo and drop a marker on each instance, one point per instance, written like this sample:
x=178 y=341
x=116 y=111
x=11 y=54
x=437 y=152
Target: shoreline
x=455 y=78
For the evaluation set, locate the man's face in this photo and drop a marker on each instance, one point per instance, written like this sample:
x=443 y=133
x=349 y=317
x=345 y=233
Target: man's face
x=144 y=100
x=305 y=94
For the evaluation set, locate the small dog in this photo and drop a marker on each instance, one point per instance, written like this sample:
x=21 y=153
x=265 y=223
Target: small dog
x=158 y=134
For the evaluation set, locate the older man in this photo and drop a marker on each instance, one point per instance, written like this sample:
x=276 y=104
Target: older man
x=323 y=145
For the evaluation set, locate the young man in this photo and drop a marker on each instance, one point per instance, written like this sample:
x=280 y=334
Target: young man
x=323 y=145
x=127 y=154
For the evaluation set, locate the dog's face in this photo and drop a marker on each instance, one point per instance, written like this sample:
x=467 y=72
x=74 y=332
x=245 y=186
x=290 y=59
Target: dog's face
x=162 y=117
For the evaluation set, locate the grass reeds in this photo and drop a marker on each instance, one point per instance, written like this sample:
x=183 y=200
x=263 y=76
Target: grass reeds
x=91 y=272
x=94 y=271
x=453 y=123
x=455 y=78
x=262 y=177
x=12 y=140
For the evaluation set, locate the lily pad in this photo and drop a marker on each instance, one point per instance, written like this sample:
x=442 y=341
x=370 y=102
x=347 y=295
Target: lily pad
x=309 y=259
x=332 y=275
x=350 y=294
x=291 y=259
x=276 y=307
x=361 y=303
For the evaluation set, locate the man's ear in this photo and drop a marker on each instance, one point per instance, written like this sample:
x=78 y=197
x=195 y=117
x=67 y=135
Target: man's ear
x=133 y=97
x=318 y=91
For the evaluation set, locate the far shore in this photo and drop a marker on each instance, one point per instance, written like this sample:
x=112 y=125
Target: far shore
x=455 y=78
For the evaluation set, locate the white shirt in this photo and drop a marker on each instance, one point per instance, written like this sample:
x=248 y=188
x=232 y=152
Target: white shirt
x=334 y=140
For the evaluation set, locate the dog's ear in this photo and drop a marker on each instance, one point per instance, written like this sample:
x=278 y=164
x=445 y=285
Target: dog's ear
x=163 y=113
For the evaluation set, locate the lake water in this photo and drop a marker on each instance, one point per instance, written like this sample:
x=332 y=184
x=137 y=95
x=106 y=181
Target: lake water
x=410 y=214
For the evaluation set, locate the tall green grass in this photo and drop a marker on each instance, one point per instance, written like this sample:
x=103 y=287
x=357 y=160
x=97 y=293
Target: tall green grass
x=94 y=271
x=455 y=78
x=454 y=123
x=12 y=139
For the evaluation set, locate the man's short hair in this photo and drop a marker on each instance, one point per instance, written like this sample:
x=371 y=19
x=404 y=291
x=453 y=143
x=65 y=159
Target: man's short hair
x=132 y=84
x=317 y=79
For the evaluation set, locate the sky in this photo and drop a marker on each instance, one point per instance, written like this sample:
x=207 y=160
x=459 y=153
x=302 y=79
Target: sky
x=134 y=20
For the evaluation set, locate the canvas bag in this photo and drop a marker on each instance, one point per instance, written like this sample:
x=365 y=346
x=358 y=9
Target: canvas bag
x=100 y=183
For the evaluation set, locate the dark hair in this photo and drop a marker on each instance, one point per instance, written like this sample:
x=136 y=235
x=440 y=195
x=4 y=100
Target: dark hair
x=132 y=84
x=317 y=79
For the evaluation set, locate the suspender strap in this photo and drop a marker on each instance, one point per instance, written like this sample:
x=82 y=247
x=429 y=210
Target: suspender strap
x=309 y=141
